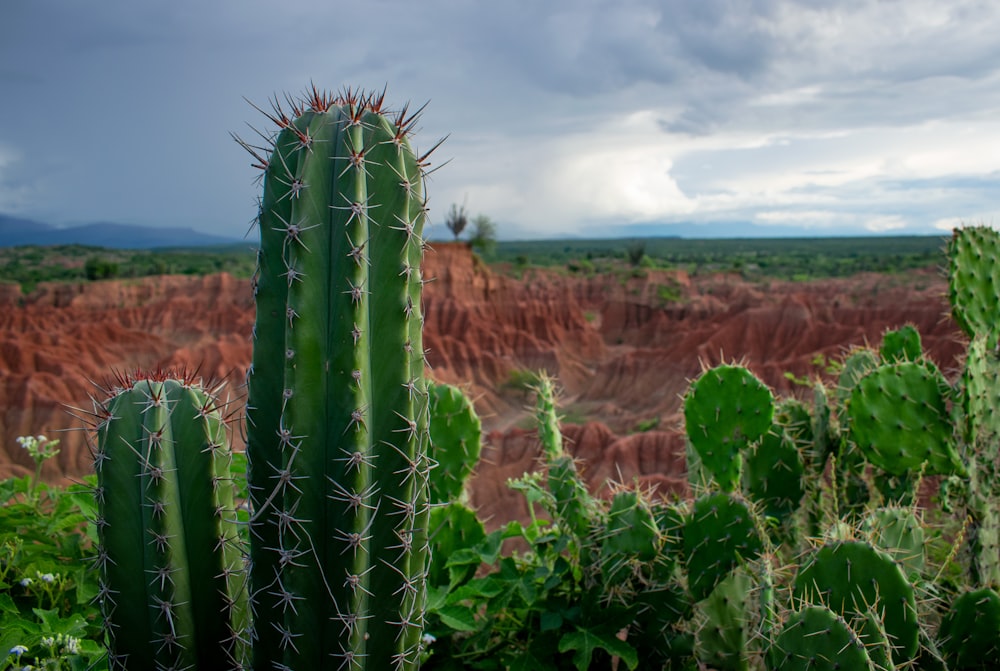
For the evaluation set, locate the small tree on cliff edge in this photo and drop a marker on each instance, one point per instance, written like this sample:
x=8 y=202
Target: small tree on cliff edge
x=457 y=220
x=484 y=235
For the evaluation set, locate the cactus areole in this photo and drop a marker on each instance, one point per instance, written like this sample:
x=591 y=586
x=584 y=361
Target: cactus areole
x=337 y=416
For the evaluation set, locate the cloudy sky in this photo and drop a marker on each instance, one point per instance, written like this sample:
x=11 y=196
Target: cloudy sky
x=584 y=117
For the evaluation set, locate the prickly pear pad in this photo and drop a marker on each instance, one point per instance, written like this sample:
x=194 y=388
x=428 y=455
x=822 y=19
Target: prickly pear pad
x=899 y=532
x=456 y=441
x=773 y=473
x=720 y=533
x=899 y=418
x=852 y=578
x=725 y=410
x=815 y=639
x=974 y=280
x=902 y=344
x=631 y=533
x=970 y=631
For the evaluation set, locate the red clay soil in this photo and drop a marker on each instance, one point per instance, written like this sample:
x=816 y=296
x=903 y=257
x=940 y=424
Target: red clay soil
x=622 y=352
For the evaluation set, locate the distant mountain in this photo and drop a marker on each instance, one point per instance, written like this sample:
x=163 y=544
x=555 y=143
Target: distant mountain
x=15 y=231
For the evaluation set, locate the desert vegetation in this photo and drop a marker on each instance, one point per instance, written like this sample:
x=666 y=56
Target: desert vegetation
x=855 y=527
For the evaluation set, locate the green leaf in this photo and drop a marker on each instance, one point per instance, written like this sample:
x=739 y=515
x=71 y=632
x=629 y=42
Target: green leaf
x=585 y=641
x=459 y=618
x=478 y=589
x=550 y=621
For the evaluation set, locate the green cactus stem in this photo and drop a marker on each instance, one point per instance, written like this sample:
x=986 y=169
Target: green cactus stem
x=974 y=281
x=172 y=583
x=337 y=418
x=575 y=508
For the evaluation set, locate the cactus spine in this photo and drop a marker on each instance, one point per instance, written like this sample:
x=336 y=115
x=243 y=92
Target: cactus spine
x=337 y=404
x=171 y=571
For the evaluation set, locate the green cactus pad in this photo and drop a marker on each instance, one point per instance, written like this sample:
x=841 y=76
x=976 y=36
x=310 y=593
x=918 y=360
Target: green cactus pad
x=900 y=533
x=817 y=639
x=456 y=442
x=899 y=419
x=773 y=473
x=974 y=280
x=858 y=363
x=970 y=631
x=453 y=527
x=726 y=409
x=720 y=532
x=902 y=344
x=630 y=536
x=853 y=578
x=724 y=623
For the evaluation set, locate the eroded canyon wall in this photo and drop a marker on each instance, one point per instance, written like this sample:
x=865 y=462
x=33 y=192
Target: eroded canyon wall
x=623 y=347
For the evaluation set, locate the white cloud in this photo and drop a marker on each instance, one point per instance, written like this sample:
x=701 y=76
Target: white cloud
x=886 y=223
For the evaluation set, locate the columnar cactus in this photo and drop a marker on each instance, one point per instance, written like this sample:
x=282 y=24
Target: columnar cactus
x=172 y=583
x=337 y=404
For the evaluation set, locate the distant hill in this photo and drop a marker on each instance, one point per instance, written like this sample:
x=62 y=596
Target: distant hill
x=15 y=231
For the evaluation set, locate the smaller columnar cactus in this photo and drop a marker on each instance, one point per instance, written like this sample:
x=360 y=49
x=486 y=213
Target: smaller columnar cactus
x=172 y=583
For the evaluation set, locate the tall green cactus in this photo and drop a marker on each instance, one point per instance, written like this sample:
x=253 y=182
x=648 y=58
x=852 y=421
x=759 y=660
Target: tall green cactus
x=172 y=583
x=337 y=403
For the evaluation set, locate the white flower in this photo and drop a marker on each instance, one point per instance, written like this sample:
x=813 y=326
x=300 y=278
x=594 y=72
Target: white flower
x=71 y=645
x=428 y=639
x=41 y=439
x=25 y=582
x=48 y=641
x=18 y=650
x=46 y=577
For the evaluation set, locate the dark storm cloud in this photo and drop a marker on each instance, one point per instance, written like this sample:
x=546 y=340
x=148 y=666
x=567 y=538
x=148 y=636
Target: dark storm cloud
x=559 y=112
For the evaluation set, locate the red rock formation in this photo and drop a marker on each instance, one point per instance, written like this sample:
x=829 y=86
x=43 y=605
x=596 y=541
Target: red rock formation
x=622 y=348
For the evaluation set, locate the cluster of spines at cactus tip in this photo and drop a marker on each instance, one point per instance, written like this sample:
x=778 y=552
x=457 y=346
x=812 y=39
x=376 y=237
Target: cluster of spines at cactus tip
x=172 y=585
x=337 y=404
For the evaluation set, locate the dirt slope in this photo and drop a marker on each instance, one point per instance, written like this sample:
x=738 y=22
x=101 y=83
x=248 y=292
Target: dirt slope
x=623 y=349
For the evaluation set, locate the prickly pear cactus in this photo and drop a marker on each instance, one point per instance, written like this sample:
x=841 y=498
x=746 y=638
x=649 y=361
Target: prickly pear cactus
x=726 y=409
x=456 y=442
x=337 y=410
x=172 y=583
x=900 y=533
x=816 y=638
x=630 y=538
x=773 y=473
x=900 y=420
x=721 y=531
x=902 y=344
x=970 y=631
x=853 y=578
